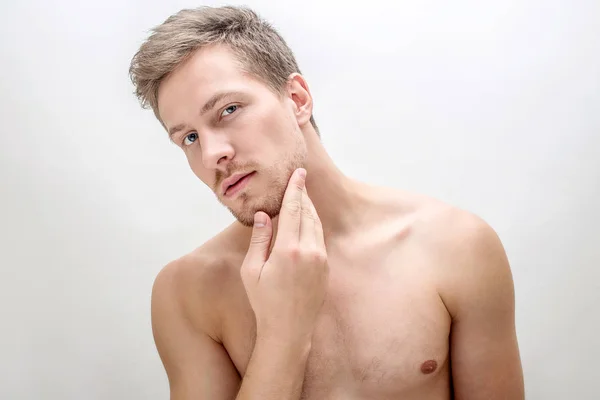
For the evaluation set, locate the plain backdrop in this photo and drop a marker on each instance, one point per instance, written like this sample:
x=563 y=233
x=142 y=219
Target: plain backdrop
x=491 y=106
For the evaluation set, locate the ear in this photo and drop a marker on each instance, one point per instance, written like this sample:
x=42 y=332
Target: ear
x=302 y=99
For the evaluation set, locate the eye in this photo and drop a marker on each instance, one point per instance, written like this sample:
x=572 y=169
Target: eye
x=229 y=110
x=190 y=138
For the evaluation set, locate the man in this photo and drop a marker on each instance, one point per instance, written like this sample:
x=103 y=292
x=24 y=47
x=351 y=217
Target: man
x=324 y=287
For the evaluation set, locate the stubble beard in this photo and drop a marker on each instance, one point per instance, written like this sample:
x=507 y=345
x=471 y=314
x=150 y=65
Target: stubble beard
x=276 y=179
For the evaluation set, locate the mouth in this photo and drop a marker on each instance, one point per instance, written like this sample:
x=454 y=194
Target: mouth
x=236 y=184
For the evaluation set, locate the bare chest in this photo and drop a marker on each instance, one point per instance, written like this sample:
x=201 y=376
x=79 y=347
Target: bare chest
x=381 y=335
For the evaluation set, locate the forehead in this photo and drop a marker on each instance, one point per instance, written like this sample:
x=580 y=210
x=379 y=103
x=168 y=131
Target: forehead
x=208 y=70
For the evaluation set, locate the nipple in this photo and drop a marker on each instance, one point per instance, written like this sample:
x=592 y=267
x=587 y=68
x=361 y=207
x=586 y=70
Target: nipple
x=428 y=366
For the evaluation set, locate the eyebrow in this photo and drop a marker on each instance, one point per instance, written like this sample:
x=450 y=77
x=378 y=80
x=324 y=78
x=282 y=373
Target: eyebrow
x=209 y=105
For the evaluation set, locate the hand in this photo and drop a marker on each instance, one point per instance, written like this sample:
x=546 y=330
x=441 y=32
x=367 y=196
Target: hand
x=287 y=288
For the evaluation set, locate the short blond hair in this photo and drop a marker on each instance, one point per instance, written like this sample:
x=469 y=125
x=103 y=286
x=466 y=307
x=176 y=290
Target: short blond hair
x=262 y=51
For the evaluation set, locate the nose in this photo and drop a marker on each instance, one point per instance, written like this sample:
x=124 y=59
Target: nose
x=216 y=152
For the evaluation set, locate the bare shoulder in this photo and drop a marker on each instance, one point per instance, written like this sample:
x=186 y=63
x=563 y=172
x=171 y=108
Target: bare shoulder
x=440 y=227
x=461 y=251
x=192 y=285
x=453 y=230
x=434 y=221
x=187 y=298
x=468 y=255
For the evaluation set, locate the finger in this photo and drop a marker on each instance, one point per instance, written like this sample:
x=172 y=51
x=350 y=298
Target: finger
x=307 y=222
x=258 y=251
x=288 y=229
x=318 y=226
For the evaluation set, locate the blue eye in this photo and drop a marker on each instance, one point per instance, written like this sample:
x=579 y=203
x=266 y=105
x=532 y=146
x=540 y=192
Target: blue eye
x=189 y=139
x=229 y=110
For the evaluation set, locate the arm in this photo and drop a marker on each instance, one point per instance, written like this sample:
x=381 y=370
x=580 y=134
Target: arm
x=479 y=294
x=276 y=370
x=198 y=367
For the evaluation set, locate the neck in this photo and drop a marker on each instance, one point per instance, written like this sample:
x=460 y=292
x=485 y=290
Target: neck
x=339 y=200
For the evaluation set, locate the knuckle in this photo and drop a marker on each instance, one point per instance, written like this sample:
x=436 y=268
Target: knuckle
x=318 y=256
x=259 y=239
x=314 y=256
x=294 y=252
x=290 y=252
x=307 y=212
x=293 y=206
x=297 y=254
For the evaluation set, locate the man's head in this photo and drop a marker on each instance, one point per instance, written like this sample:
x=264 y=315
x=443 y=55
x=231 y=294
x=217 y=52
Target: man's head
x=227 y=88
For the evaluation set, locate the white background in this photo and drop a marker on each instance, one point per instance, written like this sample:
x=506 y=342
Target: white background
x=492 y=106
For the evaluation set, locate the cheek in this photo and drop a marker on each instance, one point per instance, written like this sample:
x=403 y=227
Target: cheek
x=278 y=128
x=273 y=117
x=194 y=159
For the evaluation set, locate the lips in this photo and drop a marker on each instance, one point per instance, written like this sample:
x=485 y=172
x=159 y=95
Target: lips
x=235 y=183
x=232 y=181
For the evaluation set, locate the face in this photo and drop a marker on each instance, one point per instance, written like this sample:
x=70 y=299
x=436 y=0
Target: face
x=240 y=138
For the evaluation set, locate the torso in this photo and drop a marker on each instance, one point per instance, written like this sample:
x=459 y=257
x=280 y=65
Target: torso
x=383 y=332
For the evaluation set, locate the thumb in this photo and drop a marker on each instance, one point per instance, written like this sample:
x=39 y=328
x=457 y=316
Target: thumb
x=258 y=251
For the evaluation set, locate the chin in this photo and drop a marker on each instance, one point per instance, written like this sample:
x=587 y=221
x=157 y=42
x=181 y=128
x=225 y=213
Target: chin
x=270 y=204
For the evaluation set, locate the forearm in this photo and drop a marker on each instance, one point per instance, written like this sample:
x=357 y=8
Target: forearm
x=275 y=370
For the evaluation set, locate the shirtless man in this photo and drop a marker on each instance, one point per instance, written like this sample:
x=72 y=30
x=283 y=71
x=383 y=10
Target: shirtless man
x=324 y=287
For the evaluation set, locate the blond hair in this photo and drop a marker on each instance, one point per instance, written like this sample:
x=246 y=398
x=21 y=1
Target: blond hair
x=262 y=51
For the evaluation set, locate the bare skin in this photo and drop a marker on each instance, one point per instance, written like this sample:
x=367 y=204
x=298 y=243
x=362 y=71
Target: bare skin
x=417 y=301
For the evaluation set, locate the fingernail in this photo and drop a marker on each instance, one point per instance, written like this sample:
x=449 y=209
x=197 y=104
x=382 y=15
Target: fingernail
x=259 y=220
x=302 y=173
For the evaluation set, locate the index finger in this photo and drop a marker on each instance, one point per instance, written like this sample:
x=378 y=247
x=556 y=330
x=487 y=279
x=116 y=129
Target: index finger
x=290 y=215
